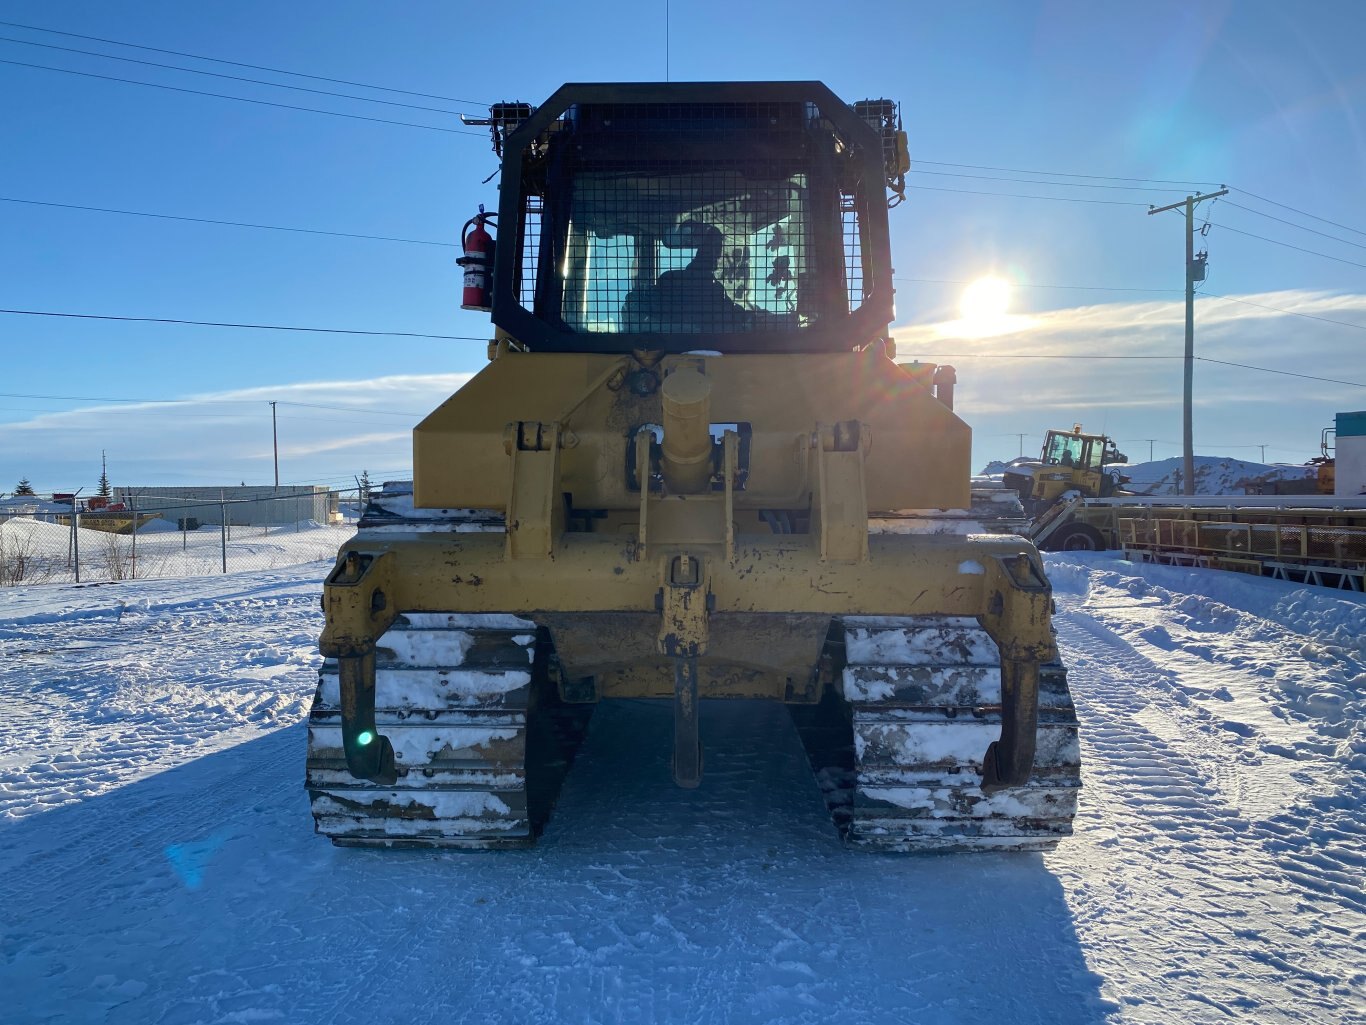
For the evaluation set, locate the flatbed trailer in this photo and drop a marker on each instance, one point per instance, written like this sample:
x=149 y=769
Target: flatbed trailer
x=1313 y=539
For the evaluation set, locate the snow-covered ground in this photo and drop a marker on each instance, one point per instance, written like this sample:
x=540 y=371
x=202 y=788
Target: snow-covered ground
x=35 y=551
x=157 y=860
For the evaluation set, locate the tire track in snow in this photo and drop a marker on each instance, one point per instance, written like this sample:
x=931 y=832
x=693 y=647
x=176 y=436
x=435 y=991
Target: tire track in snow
x=1275 y=706
x=1239 y=935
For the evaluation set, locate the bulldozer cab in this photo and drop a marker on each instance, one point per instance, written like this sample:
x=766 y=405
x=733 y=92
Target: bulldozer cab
x=705 y=216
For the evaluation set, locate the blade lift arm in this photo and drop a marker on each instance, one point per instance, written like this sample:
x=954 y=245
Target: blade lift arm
x=358 y=610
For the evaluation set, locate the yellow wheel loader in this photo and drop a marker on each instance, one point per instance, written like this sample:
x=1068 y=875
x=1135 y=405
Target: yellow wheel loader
x=690 y=471
x=1071 y=461
x=1325 y=464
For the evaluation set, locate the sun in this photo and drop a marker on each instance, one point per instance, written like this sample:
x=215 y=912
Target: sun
x=985 y=300
x=984 y=312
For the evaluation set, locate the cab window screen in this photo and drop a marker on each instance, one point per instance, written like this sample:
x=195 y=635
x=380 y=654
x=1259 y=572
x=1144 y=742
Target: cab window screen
x=709 y=252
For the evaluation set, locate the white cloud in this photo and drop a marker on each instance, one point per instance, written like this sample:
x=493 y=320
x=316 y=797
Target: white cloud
x=225 y=437
x=329 y=431
x=1136 y=397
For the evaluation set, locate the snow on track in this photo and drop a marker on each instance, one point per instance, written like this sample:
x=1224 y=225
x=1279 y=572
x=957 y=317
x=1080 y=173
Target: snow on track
x=157 y=863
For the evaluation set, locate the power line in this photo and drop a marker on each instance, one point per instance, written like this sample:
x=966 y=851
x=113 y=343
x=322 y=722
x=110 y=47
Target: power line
x=1301 y=227
x=196 y=402
x=1021 y=284
x=105 y=398
x=1024 y=355
x=243 y=417
x=234 y=78
x=1311 y=252
x=1212 y=444
x=1302 y=213
x=482 y=103
x=1277 y=309
x=233 y=224
x=1065 y=185
x=1058 y=174
x=239 y=64
x=236 y=418
x=474 y=338
x=1079 y=356
x=452 y=245
x=348 y=409
x=404 y=474
x=242 y=99
x=1020 y=195
x=338 y=420
x=253 y=327
x=67 y=398
x=1283 y=373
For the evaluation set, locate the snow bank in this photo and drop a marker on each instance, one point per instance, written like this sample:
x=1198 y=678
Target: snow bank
x=161 y=551
x=157 y=525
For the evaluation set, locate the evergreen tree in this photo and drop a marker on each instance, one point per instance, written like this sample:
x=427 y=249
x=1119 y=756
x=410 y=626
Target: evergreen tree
x=363 y=484
x=104 y=490
x=24 y=488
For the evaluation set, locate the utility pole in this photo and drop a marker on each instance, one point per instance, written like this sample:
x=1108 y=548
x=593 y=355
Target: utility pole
x=1150 y=448
x=1022 y=438
x=1263 y=448
x=275 y=445
x=1187 y=433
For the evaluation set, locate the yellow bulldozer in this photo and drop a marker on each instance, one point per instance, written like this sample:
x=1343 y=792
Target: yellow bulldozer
x=690 y=471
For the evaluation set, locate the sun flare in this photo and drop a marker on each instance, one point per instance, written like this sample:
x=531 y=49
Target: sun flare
x=986 y=299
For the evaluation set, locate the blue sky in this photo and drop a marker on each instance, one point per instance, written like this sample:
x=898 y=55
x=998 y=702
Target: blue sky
x=1262 y=96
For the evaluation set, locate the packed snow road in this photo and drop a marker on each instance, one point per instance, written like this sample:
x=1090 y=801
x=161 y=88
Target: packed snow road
x=157 y=861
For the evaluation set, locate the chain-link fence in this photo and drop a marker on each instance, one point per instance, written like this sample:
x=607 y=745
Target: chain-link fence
x=177 y=532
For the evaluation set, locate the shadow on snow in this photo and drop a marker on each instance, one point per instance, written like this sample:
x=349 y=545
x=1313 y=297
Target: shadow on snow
x=201 y=894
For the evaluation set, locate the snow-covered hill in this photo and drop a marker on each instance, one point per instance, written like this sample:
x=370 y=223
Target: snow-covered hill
x=1214 y=475
x=157 y=860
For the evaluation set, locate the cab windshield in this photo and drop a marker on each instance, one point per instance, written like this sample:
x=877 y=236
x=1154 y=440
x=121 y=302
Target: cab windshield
x=1070 y=450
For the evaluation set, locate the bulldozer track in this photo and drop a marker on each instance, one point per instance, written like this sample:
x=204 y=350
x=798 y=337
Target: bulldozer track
x=897 y=745
x=481 y=740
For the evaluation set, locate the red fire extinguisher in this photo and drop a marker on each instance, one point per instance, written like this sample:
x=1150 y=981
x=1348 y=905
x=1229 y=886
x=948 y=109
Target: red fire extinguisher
x=478 y=262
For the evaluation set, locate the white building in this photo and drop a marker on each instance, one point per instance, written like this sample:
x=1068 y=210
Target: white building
x=1350 y=455
x=241 y=506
